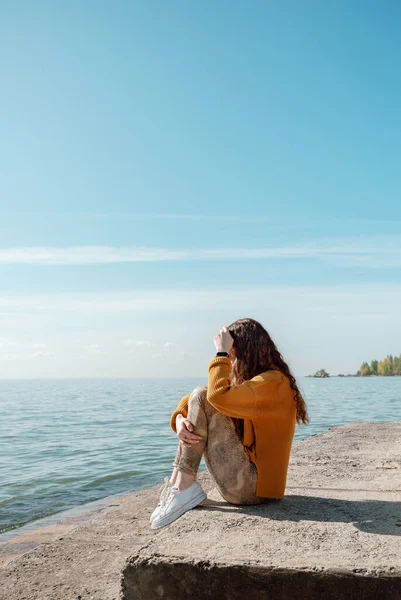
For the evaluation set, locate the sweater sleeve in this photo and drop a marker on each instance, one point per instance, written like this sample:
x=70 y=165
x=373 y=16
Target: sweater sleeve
x=250 y=400
x=182 y=409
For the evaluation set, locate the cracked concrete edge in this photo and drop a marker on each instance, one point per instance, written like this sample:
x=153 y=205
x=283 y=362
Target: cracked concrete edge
x=203 y=580
x=156 y=559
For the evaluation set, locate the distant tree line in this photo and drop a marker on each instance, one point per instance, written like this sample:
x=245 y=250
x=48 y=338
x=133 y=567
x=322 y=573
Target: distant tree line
x=391 y=365
x=322 y=373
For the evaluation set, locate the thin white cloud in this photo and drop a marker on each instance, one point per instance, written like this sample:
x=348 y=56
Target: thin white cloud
x=6 y=343
x=290 y=222
x=94 y=349
x=238 y=298
x=135 y=216
x=168 y=345
x=384 y=253
x=40 y=354
x=27 y=354
x=136 y=343
x=11 y=350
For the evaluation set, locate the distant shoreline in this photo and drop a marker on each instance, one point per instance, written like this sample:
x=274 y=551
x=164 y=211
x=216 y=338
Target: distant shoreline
x=352 y=376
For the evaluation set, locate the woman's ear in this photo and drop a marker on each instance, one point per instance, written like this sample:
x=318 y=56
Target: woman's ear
x=231 y=354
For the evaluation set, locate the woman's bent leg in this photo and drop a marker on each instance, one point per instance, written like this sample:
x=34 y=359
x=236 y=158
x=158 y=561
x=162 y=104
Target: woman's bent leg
x=188 y=459
x=225 y=456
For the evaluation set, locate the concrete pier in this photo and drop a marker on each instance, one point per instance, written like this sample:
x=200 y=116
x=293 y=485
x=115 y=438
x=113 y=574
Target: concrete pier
x=336 y=535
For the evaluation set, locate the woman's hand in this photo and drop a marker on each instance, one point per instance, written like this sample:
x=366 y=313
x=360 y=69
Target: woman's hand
x=223 y=340
x=185 y=432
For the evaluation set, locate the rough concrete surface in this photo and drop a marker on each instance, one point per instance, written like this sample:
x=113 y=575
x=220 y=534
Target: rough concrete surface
x=336 y=535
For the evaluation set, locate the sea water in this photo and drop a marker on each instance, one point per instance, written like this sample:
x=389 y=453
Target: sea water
x=64 y=443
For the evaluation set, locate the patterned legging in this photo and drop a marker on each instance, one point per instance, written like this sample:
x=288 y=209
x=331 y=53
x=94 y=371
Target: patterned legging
x=225 y=456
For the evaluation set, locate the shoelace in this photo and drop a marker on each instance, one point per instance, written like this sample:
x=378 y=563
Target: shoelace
x=165 y=491
x=167 y=494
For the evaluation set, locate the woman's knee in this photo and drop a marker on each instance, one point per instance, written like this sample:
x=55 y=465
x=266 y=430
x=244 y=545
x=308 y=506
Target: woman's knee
x=199 y=394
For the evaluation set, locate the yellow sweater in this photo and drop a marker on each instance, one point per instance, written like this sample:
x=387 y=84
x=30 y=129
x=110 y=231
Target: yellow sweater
x=267 y=405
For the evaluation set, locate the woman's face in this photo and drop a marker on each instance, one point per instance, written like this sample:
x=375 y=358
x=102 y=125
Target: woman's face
x=231 y=354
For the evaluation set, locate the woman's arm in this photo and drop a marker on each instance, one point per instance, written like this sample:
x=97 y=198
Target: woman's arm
x=250 y=400
x=182 y=409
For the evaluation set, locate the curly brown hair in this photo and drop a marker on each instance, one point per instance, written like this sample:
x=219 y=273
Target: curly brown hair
x=255 y=353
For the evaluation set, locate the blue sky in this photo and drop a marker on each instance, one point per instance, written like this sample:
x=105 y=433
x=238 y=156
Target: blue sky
x=168 y=167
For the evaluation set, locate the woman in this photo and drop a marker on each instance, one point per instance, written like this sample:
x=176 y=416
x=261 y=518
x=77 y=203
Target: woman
x=243 y=423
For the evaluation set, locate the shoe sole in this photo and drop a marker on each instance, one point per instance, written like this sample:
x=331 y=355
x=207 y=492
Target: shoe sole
x=180 y=511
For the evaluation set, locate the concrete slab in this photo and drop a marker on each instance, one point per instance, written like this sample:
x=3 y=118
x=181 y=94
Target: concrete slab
x=337 y=533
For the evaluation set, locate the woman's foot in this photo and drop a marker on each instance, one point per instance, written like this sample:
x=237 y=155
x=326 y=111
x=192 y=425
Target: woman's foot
x=164 y=493
x=176 y=503
x=179 y=480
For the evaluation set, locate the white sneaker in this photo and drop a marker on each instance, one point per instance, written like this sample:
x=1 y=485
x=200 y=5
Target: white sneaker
x=177 y=503
x=164 y=492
